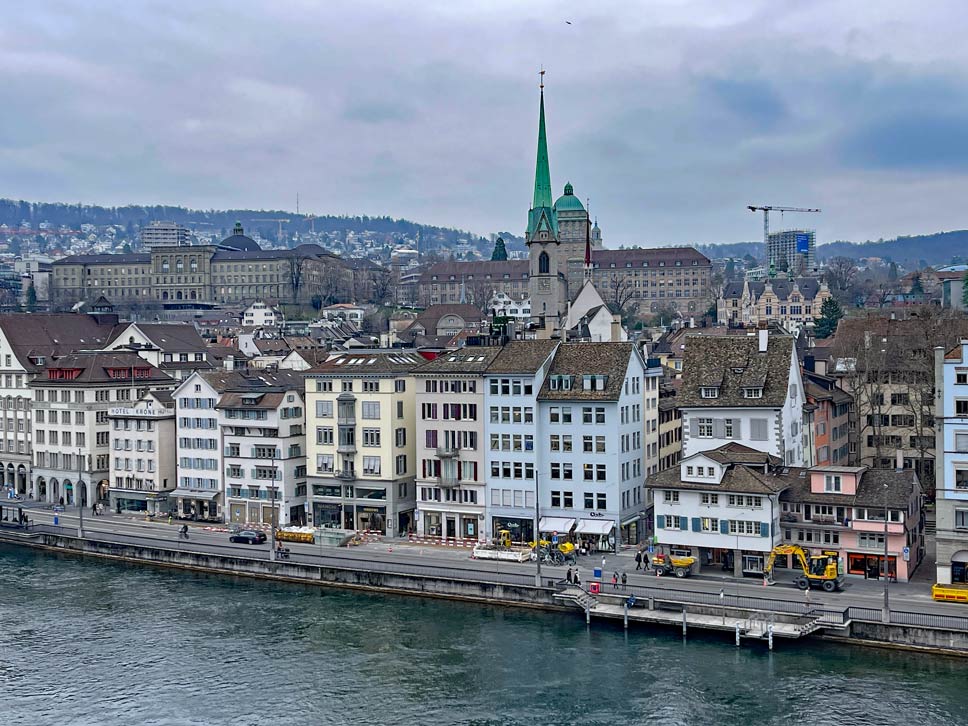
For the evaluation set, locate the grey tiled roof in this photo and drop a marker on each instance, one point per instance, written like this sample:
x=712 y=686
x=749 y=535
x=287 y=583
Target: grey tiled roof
x=358 y=365
x=578 y=359
x=734 y=362
x=522 y=356
x=782 y=288
x=900 y=486
x=468 y=360
x=737 y=478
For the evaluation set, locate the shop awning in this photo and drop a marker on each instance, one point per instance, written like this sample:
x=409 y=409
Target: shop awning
x=195 y=493
x=561 y=525
x=594 y=526
x=626 y=522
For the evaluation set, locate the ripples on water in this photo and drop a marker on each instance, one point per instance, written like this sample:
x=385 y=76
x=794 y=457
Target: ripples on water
x=90 y=642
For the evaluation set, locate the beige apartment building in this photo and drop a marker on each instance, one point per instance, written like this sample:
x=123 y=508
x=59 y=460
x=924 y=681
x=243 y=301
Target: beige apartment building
x=360 y=414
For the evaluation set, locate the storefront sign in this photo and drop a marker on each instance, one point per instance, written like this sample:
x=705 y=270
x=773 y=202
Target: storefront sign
x=595 y=514
x=140 y=412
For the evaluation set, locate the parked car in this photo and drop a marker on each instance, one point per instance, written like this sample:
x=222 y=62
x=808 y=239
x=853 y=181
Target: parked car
x=248 y=536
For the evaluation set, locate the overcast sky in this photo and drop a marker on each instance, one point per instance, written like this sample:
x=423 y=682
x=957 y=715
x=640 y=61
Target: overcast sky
x=670 y=116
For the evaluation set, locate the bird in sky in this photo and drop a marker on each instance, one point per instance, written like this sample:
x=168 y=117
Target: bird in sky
x=567 y=22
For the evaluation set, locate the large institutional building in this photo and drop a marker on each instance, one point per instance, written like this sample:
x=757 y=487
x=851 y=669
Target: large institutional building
x=234 y=271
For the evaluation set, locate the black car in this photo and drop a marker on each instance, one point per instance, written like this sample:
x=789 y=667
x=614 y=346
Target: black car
x=248 y=536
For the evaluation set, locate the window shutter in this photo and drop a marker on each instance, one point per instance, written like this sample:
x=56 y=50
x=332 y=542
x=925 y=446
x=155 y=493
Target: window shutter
x=724 y=526
x=693 y=426
x=696 y=524
x=758 y=429
x=718 y=428
x=736 y=431
x=659 y=521
x=764 y=529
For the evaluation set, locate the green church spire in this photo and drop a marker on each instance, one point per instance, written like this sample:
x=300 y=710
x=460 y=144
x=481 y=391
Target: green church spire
x=542 y=214
x=542 y=174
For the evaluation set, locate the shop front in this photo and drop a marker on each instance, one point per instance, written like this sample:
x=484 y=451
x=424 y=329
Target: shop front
x=522 y=530
x=596 y=535
x=196 y=504
x=871 y=565
x=560 y=526
x=372 y=518
x=328 y=515
x=126 y=500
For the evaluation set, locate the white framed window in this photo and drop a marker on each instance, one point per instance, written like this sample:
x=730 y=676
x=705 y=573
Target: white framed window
x=673 y=521
x=752 y=392
x=670 y=497
x=705 y=428
x=709 y=392
x=708 y=498
x=832 y=483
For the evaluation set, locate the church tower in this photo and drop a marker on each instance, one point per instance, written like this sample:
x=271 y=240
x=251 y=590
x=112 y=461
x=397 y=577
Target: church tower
x=547 y=284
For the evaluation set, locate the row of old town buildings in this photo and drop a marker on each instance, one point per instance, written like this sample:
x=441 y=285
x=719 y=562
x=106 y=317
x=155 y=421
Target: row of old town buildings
x=718 y=442
x=574 y=437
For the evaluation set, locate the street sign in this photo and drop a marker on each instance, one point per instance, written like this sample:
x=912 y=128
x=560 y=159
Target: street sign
x=554 y=539
x=651 y=549
x=907 y=554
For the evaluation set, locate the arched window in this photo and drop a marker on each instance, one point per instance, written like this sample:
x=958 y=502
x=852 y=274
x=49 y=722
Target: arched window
x=164 y=264
x=193 y=264
x=179 y=265
x=544 y=264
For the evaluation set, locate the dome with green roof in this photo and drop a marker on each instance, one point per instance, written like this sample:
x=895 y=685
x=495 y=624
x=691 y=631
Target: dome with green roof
x=568 y=202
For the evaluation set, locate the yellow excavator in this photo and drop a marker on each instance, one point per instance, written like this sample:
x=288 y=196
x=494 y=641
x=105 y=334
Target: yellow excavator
x=821 y=570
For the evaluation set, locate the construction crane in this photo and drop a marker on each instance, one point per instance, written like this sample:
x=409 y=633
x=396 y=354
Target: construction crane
x=280 y=223
x=766 y=216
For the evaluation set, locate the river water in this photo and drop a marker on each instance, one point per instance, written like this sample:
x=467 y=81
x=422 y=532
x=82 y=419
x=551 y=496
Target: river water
x=92 y=642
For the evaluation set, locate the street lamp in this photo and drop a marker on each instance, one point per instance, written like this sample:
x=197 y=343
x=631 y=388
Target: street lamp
x=537 y=528
x=886 y=614
x=77 y=495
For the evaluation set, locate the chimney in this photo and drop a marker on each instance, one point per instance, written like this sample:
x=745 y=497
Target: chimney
x=764 y=338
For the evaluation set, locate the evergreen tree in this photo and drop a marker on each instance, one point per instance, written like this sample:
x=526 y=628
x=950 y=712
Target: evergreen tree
x=964 y=291
x=31 y=298
x=830 y=315
x=500 y=253
x=916 y=287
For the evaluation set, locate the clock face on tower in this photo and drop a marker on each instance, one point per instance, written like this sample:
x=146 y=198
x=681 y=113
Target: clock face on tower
x=544 y=285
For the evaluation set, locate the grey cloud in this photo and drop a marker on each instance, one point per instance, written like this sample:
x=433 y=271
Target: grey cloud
x=671 y=117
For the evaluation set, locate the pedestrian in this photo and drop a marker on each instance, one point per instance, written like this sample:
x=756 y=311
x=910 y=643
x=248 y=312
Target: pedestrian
x=638 y=560
x=624 y=581
x=169 y=517
x=615 y=581
x=603 y=562
x=577 y=578
x=94 y=509
x=568 y=577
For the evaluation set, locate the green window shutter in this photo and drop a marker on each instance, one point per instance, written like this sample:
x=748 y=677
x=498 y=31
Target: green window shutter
x=696 y=524
x=724 y=526
x=659 y=521
x=764 y=529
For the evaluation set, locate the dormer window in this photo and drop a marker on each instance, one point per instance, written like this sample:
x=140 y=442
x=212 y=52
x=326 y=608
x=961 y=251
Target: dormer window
x=594 y=383
x=752 y=393
x=560 y=383
x=709 y=392
x=831 y=483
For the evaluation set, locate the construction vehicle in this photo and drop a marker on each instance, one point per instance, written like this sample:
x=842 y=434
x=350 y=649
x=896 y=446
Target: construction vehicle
x=669 y=565
x=823 y=570
x=950 y=593
x=503 y=539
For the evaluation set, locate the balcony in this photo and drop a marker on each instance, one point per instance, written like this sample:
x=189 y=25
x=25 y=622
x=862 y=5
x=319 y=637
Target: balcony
x=346 y=474
x=447 y=452
x=346 y=419
x=447 y=481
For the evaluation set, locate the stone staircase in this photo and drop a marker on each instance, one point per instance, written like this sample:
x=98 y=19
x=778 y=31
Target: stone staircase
x=579 y=597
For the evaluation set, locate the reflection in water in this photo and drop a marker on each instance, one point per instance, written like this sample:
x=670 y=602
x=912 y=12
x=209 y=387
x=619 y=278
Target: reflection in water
x=91 y=642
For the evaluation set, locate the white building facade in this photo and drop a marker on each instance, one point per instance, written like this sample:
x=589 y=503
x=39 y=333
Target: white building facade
x=450 y=444
x=721 y=507
x=512 y=383
x=951 y=488
x=143 y=469
x=591 y=461
x=746 y=390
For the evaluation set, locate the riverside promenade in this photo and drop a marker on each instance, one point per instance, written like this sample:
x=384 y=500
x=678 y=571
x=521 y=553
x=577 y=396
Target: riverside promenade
x=387 y=564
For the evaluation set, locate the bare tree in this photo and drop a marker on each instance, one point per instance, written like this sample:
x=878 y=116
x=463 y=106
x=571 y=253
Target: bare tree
x=622 y=297
x=479 y=292
x=841 y=273
x=382 y=285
